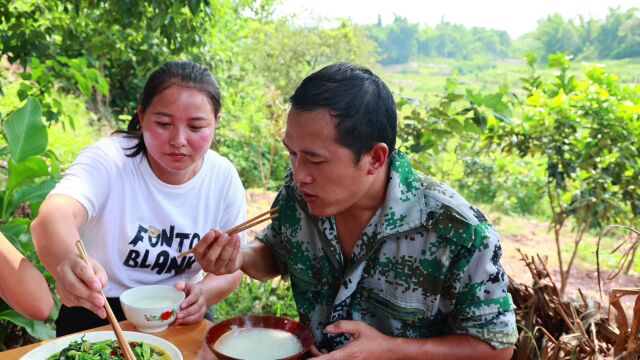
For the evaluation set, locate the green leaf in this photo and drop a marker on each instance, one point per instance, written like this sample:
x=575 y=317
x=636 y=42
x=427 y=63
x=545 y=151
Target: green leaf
x=502 y=117
x=472 y=128
x=38 y=329
x=26 y=133
x=34 y=194
x=455 y=125
x=23 y=91
x=194 y=6
x=14 y=229
x=25 y=172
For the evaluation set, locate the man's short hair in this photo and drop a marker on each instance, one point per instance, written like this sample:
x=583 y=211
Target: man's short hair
x=359 y=100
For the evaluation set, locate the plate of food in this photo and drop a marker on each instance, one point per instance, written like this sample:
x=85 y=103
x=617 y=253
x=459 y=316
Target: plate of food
x=144 y=346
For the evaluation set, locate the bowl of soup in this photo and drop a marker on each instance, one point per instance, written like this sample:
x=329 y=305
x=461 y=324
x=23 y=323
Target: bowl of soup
x=151 y=308
x=259 y=338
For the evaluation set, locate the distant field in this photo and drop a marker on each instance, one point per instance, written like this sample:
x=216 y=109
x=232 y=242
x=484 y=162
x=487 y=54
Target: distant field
x=424 y=79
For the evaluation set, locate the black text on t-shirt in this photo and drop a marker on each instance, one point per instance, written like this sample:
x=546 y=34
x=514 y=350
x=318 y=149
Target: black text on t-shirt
x=164 y=262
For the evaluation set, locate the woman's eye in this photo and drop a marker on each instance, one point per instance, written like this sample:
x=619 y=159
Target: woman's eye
x=163 y=124
x=196 y=128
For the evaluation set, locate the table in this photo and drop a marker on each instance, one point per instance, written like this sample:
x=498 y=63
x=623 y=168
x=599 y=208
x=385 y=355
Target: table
x=188 y=338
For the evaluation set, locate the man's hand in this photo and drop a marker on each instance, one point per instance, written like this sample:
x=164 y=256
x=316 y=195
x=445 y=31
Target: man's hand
x=366 y=343
x=218 y=253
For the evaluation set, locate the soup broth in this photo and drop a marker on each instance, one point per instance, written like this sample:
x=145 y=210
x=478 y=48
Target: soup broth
x=152 y=302
x=258 y=344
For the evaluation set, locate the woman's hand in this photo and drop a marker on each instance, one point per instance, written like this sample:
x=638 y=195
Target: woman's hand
x=194 y=306
x=77 y=285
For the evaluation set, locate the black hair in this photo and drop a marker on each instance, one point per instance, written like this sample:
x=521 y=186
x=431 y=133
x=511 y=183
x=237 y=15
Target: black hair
x=183 y=73
x=359 y=100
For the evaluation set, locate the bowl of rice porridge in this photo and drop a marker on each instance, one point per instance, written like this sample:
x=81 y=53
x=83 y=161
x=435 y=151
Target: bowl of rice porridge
x=259 y=338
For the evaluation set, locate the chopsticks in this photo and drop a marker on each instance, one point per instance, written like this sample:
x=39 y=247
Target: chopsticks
x=258 y=219
x=124 y=345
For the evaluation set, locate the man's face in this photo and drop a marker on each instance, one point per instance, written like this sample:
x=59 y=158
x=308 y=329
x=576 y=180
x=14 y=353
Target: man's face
x=329 y=178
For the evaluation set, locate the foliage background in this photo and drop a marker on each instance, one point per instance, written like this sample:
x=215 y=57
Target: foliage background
x=545 y=136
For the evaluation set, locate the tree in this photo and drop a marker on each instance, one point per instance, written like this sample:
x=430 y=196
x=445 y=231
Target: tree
x=555 y=35
x=619 y=34
x=396 y=42
x=587 y=132
x=125 y=40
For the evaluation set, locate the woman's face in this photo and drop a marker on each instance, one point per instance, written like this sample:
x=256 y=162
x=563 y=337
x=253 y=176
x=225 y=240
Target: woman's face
x=178 y=128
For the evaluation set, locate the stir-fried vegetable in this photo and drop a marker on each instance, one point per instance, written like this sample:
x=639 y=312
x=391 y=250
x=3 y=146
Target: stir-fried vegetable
x=105 y=350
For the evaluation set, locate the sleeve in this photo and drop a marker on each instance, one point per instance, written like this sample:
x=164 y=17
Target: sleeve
x=272 y=234
x=89 y=178
x=483 y=308
x=235 y=209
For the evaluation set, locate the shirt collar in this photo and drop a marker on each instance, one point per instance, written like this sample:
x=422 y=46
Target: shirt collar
x=403 y=208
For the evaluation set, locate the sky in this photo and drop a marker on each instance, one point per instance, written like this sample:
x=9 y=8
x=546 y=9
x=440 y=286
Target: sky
x=516 y=16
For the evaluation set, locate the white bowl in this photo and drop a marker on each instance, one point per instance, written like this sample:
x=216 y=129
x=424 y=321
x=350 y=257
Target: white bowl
x=151 y=308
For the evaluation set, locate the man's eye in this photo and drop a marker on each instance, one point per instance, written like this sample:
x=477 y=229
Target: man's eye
x=196 y=128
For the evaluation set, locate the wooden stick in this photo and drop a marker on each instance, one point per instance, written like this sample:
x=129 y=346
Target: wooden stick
x=124 y=345
x=243 y=226
x=270 y=211
x=250 y=225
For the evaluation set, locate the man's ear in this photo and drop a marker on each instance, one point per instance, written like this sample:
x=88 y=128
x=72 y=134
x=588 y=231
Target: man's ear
x=378 y=156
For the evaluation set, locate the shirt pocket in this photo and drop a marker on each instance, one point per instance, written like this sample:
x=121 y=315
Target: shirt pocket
x=397 y=303
x=303 y=281
x=307 y=292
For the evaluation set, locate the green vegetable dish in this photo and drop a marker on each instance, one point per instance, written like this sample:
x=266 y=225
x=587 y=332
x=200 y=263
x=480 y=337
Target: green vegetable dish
x=106 y=350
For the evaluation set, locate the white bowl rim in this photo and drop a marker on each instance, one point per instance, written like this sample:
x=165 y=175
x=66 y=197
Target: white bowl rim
x=132 y=290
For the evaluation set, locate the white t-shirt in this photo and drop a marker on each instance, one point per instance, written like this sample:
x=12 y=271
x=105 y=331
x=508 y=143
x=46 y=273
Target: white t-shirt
x=126 y=202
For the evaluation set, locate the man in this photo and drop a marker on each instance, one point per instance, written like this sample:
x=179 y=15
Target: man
x=384 y=263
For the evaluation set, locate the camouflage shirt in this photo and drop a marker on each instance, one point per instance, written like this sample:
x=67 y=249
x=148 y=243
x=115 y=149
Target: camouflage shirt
x=427 y=264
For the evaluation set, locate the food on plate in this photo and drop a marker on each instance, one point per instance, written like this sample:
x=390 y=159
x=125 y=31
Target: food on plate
x=107 y=349
x=258 y=343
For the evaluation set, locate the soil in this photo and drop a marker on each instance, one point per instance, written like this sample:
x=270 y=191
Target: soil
x=518 y=234
x=535 y=238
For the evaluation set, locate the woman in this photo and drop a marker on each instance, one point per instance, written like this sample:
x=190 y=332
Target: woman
x=21 y=282
x=138 y=199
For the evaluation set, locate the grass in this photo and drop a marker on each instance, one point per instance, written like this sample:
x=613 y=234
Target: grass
x=258 y=298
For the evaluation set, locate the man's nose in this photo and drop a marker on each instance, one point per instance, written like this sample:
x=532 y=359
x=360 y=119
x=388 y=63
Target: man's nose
x=300 y=173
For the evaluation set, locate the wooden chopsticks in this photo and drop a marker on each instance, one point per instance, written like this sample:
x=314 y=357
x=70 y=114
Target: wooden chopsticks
x=244 y=226
x=124 y=345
